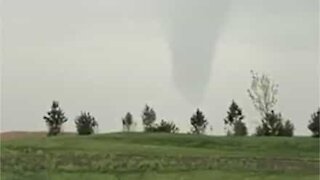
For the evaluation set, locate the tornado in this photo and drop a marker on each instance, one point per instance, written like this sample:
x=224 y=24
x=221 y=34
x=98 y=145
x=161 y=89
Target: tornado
x=193 y=28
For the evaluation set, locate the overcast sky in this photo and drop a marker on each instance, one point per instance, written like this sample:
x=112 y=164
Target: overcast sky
x=109 y=57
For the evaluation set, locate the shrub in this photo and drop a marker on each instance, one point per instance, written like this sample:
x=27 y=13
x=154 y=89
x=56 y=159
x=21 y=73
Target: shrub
x=272 y=125
x=240 y=128
x=164 y=126
x=260 y=131
x=287 y=129
x=168 y=127
x=85 y=124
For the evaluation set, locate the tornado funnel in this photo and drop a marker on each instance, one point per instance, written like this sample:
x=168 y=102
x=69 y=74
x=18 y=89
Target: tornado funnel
x=193 y=29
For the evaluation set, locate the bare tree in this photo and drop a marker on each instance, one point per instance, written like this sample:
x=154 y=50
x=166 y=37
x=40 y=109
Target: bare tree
x=263 y=93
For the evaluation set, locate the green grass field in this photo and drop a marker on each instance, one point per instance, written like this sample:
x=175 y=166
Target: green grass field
x=130 y=156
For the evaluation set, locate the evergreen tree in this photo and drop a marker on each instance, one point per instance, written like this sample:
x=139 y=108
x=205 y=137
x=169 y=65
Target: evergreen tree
x=54 y=119
x=127 y=122
x=314 y=124
x=148 y=117
x=85 y=124
x=198 y=122
x=233 y=121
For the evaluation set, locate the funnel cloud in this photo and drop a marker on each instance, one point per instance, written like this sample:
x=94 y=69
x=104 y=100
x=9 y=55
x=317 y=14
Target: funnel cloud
x=193 y=29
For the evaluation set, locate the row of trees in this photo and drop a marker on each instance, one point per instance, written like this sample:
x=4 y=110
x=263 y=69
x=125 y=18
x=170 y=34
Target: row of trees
x=272 y=123
x=263 y=93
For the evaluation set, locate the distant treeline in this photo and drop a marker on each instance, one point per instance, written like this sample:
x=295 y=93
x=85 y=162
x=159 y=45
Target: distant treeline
x=263 y=93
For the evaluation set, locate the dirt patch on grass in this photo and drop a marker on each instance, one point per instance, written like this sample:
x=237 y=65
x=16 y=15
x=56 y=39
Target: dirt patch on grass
x=20 y=135
x=25 y=134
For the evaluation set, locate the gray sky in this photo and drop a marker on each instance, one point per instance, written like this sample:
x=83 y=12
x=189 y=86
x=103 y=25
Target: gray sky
x=113 y=56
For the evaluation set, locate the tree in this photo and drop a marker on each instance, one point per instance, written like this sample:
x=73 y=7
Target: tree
x=54 y=119
x=164 y=126
x=263 y=93
x=272 y=125
x=234 y=122
x=85 y=123
x=127 y=122
x=198 y=122
x=314 y=124
x=287 y=129
x=240 y=129
x=148 y=117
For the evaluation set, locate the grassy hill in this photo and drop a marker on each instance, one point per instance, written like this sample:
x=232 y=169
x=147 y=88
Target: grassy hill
x=129 y=156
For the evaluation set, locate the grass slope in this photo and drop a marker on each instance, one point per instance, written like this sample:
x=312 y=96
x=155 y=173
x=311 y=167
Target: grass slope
x=131 y=156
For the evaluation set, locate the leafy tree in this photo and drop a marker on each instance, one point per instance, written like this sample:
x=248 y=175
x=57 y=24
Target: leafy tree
x=164 y=126
x=234 y=121
x=263 y=93
x=54 y=119
x=85 y=123
x=198 y=122
x=314 y=124
x=148 y=117
x=127 y=122
x=272 y=125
